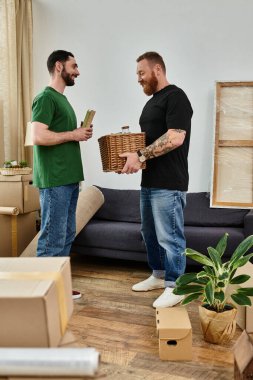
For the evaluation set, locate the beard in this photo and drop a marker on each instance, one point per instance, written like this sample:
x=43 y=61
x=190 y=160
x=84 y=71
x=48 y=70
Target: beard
x=69 y=81
x=150 y=86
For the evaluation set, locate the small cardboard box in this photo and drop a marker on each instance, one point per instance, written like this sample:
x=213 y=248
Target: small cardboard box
x=244 y=317
x=18 y=191
x=35 y=301
x=16 y=232
x=175 y=333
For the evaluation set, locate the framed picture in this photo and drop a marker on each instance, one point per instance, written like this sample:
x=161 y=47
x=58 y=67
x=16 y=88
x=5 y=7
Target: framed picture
x=232 y=177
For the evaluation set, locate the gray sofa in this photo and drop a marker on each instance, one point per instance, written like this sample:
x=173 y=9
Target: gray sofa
x=114 y=231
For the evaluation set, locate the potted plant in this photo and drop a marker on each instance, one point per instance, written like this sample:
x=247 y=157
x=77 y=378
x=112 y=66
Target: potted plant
x=7 y=164
x=212 y=285
x=23 y=164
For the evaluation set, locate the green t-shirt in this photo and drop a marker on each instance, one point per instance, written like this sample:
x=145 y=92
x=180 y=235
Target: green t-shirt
x=61 y=164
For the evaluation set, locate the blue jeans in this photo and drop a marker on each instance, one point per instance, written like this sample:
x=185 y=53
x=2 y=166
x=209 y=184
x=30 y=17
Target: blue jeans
x=58 y=220
x=163 y=232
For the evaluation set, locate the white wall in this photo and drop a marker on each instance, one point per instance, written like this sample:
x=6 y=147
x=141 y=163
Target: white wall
x=201 y=41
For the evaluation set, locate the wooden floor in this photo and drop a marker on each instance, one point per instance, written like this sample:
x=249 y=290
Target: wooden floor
x=120 y=324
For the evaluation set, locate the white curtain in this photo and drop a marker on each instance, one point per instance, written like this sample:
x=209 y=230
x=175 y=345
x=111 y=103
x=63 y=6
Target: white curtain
x=16 y=84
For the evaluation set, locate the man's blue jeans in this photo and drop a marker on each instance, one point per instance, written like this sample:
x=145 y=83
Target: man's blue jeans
x=58 y=220
x=163 y=232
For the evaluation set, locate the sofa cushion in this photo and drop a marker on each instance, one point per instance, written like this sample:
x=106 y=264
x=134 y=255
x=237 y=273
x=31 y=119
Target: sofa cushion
x=200 y=238
x=199 y=213
x=124 y=206
x=111 y=235
x=120 y=205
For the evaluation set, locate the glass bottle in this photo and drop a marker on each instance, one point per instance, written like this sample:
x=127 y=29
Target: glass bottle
x=125 y=129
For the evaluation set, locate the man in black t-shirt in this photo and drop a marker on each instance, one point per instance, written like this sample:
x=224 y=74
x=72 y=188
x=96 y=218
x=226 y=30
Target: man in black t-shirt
x=166 y=120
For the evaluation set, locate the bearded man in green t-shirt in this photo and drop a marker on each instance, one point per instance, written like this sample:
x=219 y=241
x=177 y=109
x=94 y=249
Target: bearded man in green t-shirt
x=57 y=157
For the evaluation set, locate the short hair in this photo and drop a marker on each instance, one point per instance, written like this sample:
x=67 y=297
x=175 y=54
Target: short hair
x=57 y=55
x=154 y=58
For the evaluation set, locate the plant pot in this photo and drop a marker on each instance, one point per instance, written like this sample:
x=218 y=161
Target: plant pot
x=217 y=328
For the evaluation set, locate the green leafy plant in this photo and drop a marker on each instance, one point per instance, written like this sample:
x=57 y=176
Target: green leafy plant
x=7 y=164
x=15 y=164
x=23 y=164
x=211 y=284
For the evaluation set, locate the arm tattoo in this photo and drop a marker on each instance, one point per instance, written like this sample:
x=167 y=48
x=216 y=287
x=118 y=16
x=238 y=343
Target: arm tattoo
x=179 y=130
x=164 y=144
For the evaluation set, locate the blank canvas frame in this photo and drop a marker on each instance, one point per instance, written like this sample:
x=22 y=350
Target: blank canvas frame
x=232 y=179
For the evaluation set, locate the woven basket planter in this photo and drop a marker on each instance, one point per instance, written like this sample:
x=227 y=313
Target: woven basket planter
x=116 y=143
x=15 y=171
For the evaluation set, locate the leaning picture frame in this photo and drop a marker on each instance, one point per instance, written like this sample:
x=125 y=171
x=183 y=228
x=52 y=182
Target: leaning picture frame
x=232 y=161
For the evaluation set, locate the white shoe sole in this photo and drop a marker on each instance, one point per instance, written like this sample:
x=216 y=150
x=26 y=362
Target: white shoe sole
x=146 y=289
x=149 y=289
x=167 y=304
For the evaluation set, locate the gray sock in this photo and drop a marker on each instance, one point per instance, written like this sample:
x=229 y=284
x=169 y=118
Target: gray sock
x=159 y=273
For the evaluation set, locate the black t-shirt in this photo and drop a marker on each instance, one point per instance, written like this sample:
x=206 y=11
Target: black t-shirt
x=168 y=108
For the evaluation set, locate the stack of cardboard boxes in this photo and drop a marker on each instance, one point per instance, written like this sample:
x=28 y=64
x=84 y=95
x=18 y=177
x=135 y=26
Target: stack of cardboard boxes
x=35 y=293
x=36 y=305
x=18 y=229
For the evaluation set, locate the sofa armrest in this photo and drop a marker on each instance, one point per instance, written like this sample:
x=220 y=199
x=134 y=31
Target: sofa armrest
x=248 y=223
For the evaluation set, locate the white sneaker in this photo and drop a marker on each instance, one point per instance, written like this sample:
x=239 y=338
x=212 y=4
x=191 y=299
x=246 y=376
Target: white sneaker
x=76 y=295
x=167 y=299
x=150 y=283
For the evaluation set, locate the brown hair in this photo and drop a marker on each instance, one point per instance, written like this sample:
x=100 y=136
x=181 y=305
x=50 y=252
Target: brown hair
x=57 y=55
x=153 y=58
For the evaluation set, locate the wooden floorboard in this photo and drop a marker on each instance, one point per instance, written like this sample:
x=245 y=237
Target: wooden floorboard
x=120 y=324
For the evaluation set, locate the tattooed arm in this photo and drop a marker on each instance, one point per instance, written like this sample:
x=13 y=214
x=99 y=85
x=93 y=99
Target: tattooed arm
x=171 y=140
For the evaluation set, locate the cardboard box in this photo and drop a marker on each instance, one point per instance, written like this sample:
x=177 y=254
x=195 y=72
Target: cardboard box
x=243 y=357
x=244 y=317
x=18 y=191
x=16 y=232
x=35 y=301
x=175 y=333
x=68 y=340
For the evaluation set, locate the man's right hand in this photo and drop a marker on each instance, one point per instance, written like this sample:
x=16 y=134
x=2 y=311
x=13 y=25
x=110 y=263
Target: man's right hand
x=132 y=164
x=82 y=134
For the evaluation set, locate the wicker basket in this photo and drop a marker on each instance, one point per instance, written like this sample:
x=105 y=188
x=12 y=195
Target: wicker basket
x=15 y=171
x=116 y=143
